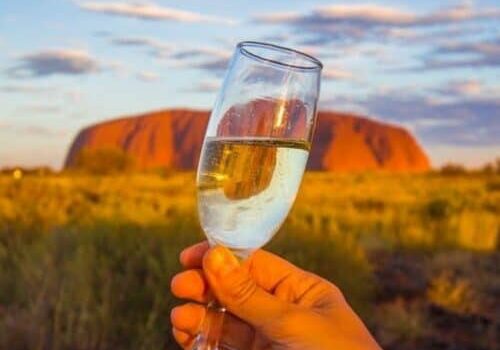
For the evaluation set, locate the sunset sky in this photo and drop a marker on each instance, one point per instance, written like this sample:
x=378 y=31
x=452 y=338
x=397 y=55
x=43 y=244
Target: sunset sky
x=431 y=66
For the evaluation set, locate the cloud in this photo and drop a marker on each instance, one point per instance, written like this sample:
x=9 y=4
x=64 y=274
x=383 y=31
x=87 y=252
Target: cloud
x=147 y=76
x=462 y=88
x=356 y=22
x=157 y=48
x=471 y=121
x=196 y=52
x=40 y=131
x=40 y=108
x=150 y=11
x=464 y=54
x=279 y=38
x=25 y=89
x=74 y=96
x=215 y=66
x=120 y=69
x=52 y=62
x=213 y=60
x=32 y=130
x=434 y=34
x=370 y=15
x=336 y=74
x=138 y=41
x=205 y=86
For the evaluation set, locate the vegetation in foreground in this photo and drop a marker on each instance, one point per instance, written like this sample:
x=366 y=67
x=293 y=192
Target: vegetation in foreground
x=85 y=261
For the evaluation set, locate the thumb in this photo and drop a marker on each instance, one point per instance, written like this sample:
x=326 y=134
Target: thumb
x=237 y=291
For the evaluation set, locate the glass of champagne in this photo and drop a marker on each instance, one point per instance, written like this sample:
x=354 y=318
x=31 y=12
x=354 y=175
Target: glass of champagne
x=255 y=152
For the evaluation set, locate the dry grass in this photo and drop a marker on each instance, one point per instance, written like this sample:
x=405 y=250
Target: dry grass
x=85 y=261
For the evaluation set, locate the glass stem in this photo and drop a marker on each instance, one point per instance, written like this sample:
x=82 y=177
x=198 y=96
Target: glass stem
x=211 y=329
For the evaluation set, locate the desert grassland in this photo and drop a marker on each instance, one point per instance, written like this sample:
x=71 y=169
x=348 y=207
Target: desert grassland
x=86 y=261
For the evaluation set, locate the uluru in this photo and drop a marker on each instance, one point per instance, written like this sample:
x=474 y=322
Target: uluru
x=172 y=139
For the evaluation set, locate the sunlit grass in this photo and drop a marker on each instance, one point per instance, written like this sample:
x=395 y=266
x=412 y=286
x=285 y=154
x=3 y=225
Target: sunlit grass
x=85 y=261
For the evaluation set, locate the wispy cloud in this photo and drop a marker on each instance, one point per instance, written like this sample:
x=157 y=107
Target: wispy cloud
x=150 y=11
x=461 y=88
x=196 y=52
x=471 y=121
x=370 y=15
x=279 y=38
x=216 y=66
x=32 y=130
x=25 y=89
x=206 y=86
x=464 y=54
x=336 y=74
x=39 y=109
x=214 y=60
x=433 y=34
x=156 y=47
x=147 y=76
x=355 y=22
x=54 y=61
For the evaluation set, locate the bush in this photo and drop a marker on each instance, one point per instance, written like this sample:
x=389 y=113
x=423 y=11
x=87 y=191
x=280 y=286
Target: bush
x=453 y=294
x=399 y=322
x=453 y=169
x=103 y=161
x=493 y=186
x=437 y=208
x=492 y=167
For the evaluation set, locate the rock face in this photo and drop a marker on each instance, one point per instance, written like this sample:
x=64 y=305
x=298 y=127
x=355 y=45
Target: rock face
x=164 y=139
x=350 y=143
x=172 y=139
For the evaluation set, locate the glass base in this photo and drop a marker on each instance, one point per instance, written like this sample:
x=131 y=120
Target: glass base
x=240 y=253
x=211 y=330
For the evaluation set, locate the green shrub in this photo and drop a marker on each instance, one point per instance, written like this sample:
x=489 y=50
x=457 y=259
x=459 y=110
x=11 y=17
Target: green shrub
x=438 y=208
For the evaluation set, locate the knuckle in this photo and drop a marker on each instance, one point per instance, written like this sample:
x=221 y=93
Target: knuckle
x=292 y=319
x=336 y=293
x=240 y=291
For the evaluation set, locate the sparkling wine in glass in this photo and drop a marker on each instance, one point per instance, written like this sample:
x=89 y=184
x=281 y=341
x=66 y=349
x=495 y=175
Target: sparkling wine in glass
x=255 y=152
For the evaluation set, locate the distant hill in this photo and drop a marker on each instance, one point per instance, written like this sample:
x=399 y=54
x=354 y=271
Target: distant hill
x=172 y=139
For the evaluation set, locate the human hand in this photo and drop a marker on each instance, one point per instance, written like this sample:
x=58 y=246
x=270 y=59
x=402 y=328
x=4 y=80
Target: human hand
x=271 y=303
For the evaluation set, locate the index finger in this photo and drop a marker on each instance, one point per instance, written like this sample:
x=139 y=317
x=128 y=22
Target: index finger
x=269 y=270
x=192 y=257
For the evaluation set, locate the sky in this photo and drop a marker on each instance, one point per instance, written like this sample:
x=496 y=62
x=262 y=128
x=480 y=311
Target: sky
x=431 y=66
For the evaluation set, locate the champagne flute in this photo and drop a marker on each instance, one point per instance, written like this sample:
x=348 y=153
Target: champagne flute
x=254 y=154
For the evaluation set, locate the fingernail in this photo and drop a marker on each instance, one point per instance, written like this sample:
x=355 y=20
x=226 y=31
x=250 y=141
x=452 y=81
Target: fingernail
x=173 y=313
x=182 y=256
x=220 y=261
